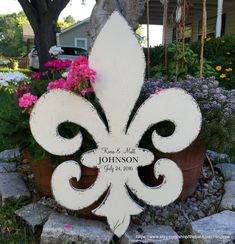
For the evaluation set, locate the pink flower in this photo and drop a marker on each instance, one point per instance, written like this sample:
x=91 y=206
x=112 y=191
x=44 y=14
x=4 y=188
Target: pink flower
x=80 y=60
x=80 y=76
x=60 y=83
x=58 y=64
x=27 y=100
x=36 y=75
x=67 y=226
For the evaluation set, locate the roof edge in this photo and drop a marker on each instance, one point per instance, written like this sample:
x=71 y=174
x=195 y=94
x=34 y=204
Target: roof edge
x=74 y=26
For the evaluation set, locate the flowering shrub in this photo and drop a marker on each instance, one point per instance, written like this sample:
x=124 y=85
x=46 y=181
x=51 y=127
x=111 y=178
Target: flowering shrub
x=217 y=106
x=78 y=79
x=221 y=53
x=19 y=93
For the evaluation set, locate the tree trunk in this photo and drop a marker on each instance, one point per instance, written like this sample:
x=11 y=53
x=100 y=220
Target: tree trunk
x=43 y=16
x=45 y=38
x=131 y=10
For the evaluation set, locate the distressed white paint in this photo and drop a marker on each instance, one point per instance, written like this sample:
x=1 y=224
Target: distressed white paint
x=219 y=18
x=119 y=62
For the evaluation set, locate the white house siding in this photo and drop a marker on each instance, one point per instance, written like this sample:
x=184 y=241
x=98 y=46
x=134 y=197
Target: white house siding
x=67 y=38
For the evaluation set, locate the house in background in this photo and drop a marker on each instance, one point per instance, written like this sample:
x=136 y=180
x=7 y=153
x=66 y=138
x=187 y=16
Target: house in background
x=28 y=37
x=220 y=18
x=193 y=29
x=75 y=35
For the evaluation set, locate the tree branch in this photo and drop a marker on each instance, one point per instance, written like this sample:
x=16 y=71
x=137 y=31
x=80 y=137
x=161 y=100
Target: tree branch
x=56 y=6
x=30 y=12
x=41 y=5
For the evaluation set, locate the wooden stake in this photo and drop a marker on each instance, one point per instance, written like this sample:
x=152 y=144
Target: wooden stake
x=183 y=31
x=204 y=24
x=148 y=46
x=165 y=19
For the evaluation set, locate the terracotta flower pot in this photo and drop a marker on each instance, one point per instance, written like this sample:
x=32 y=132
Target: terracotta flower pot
x=190 y=161
x=42 y=172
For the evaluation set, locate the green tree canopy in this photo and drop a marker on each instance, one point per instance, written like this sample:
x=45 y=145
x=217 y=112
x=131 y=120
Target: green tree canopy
x=70 y=20
x=11 y=35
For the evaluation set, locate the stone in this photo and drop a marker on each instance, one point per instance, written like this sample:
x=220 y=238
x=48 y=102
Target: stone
x=8 y=155
x=161 y=234
x=12 y=188
x=218 y=157
x=228 y=200
x=217 y=228
x=7 y=167
x=62 y=228
x=228 y=171
x=35 y=215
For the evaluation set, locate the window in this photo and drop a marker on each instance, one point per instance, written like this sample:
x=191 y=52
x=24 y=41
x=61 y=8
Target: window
x=187 y=34
x=81 y=43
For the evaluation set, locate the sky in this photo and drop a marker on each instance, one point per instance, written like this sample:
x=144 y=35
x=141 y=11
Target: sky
x=80 y=12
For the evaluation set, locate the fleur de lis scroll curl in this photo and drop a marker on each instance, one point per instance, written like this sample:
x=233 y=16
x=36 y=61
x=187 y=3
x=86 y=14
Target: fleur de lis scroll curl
x=120 y=65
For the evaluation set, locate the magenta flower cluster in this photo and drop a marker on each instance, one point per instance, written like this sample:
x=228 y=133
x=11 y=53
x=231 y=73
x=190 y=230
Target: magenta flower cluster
x=58 y=64
x=79 y=78
x=27 y=100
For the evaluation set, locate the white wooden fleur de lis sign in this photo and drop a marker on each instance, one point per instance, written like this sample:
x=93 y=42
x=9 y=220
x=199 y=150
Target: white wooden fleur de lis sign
x=120 y=65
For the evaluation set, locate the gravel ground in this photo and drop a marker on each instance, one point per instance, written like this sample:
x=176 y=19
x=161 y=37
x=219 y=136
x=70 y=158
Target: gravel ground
x=204 y=202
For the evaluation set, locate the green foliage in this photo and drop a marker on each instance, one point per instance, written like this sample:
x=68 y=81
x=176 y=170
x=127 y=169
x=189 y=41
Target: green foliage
x=14 y=125
x=11 y=36
x=190 y=58
x=12 y=231
x=66 y=22
x=25 y=71
x=22 y=19
x=70 y=19
x=220 y=136
x=221 y=53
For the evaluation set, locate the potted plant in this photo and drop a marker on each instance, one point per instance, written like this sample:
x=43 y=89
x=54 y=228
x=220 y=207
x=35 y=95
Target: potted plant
x=18 y=97
x=218 y=126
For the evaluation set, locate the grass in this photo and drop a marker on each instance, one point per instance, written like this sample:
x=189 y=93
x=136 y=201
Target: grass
x=12 y=230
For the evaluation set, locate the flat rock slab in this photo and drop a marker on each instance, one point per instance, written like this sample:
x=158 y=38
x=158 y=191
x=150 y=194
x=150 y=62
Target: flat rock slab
x=12 y=188
x=218 y=157
x=218 y=228
x=35 y=215
x=8 y=155
x=150 y=234
x=228 y=200
x=7 y=167
x=61 y=228
x=228 y=171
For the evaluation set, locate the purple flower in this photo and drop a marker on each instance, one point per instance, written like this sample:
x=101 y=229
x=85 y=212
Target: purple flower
x=222 y=98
